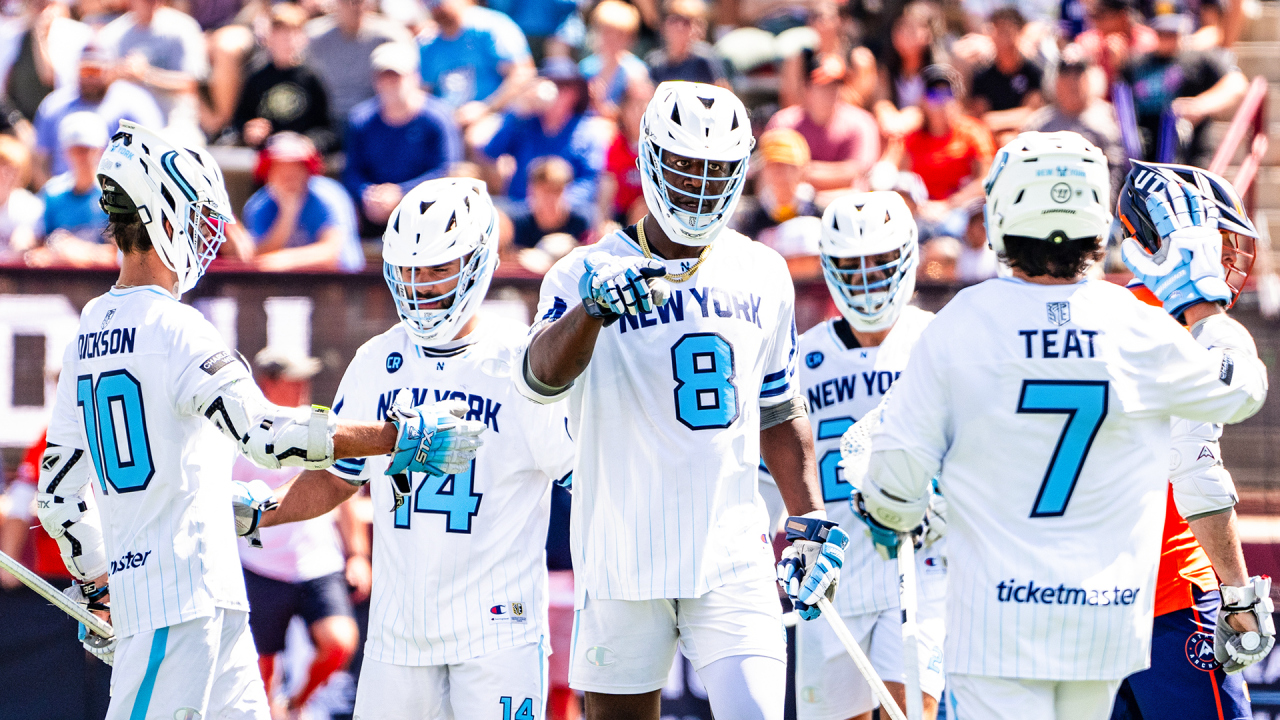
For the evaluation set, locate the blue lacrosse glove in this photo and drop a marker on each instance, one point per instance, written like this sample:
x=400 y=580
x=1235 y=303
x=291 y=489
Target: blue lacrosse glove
x=1187 y=269
x=248 y=502
x=810 y=566
x=433 y=439
x=616 y=286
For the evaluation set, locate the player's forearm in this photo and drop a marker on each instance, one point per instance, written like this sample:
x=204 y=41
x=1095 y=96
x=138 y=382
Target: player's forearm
x=561 y=351
x=363 y=439
x=787 y=450
x=354 y=532
x=312 y=494
x=1221 y=542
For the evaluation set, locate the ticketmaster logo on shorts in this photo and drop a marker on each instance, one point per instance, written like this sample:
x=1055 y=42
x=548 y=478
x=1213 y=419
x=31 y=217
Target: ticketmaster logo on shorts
x=1031 y=593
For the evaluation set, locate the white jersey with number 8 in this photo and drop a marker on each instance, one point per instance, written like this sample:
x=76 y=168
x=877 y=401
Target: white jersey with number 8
x=667 y=421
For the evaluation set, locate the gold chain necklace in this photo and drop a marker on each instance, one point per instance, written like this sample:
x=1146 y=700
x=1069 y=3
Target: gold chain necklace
x=682 y=277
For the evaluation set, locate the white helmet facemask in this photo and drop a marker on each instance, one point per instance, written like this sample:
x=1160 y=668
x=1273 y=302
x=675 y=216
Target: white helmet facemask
x=870 y=251
x=695 y=140
x=437 y=223
x=178 y=194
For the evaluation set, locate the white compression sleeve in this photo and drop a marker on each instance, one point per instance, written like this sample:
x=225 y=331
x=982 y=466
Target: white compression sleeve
x=269 y=435
x=68 y=513
x=1239 y=365
x=746 y=687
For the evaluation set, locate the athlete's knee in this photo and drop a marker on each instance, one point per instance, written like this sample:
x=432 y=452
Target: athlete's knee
x=336 y=635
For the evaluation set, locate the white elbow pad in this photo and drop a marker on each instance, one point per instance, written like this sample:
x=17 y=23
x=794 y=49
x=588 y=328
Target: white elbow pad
x=269 y=435
x=888 y=491
x=66 y=509
x=1201 y=485
x=1239 y=365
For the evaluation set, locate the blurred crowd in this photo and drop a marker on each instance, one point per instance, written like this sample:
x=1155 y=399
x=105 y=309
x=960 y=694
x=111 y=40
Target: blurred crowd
x=327 y=111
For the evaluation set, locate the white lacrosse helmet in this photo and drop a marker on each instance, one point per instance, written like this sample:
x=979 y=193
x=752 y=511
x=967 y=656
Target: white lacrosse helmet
x=435 y=223
x=706 y=134
x=177 y=192
x=1048 y=186
x=862 y=225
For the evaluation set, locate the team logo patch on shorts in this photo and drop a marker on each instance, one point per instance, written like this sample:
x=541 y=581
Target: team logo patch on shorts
x=187 y=714
x=1200 y=651
x=600 y=656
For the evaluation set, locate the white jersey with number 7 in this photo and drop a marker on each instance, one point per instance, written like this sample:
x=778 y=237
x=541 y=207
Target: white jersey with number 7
x=667 y=422
x=1047 y=408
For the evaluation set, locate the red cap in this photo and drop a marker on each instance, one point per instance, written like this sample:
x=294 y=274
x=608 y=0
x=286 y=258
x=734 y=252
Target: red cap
x=288 y=147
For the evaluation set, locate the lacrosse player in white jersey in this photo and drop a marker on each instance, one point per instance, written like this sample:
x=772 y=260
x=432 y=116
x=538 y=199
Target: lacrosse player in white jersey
x=673 y=342
x=458 y=616
x=147 y=392
x=869 y=254
x=1043 y=403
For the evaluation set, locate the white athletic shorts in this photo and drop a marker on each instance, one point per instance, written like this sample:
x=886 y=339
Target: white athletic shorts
x=984 y=697
x=625 y=647
x=204 y=668
x=828 y=684
x=506 y=684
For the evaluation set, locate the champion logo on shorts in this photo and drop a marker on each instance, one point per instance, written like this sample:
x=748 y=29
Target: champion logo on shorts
x=600 y=656
x=1200 y=651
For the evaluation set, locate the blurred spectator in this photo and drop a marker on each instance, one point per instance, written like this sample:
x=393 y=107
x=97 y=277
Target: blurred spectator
x=911 y=49
x=951 y=152
x=284 y=95
x=830 y=44
x=1172 y=85
x=39 y=51
x=550 y=26
x=73 y=221
x=300 y=570
x=781 y=196
x=300 y=219
x=1008 y=91
x=620 y=193
x=95 y=92
x=612 y=68
x=1115 y=37
x=1074 y=109
x=553 y=122
x=397 y=139
x=843 y=140
x=340 y=49
x=229 y=47
x=545 y=210
x=939 y=259
x=162 y=50
x=21 y=213
x=477 y=61
x=685 y=54
x=977 y=261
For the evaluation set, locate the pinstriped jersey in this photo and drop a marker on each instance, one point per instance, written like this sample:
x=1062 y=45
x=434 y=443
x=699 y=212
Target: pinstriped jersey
x=1047 y=408
x=667 y=422
x=127 y=398
x=459 y=567
x=841 y=385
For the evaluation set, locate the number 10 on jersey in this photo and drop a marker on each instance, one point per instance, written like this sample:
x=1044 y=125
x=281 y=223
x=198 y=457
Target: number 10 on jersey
x=448 y=495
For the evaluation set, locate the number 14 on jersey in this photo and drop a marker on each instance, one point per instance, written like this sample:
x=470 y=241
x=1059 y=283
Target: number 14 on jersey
x=448 y=495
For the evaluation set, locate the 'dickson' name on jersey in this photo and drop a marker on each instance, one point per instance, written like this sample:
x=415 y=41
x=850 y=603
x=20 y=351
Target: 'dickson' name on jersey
x=479 y=408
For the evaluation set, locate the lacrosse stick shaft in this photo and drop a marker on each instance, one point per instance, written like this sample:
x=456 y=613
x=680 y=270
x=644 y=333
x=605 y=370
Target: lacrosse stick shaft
x=887 y=703
x=910 y=644
x=55 y=596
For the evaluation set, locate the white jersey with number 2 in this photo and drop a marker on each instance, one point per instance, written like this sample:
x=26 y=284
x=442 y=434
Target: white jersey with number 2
x=127 y=400
x=1047 y=408
x=667 y=422
x=459 y=568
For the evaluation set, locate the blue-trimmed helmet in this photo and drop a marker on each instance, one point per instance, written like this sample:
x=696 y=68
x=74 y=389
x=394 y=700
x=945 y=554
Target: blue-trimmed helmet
x=436 y=223
x=875 y=229
x=695 y=140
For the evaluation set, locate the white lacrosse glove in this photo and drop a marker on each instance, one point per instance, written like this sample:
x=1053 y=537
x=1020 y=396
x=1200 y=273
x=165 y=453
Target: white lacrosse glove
x=102 y=648
x=248 y=502
x=616 y=286
x=1187 y=269
x=810 y=566
x=433 y=439
x=886 y=539
x=1236 y=650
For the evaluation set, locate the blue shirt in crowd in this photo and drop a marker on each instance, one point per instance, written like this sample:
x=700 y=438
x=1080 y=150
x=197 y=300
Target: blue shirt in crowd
x=467 y=67
x=580 y=142
x=419 y=150
x=123 y=101
x=629 y=67
x=327 y=205
x=79 y=215
x=537 y=18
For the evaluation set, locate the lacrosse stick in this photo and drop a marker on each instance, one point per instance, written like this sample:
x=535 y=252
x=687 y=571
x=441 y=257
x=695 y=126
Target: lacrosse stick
x=910 y=646
x=887 y=703
x=55 y=596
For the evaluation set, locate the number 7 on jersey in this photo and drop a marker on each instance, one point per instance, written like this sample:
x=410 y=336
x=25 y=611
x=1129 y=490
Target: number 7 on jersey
x=1084 y=402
